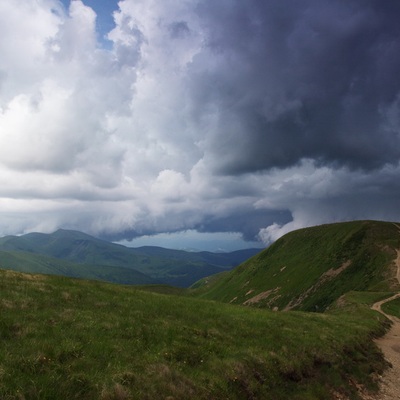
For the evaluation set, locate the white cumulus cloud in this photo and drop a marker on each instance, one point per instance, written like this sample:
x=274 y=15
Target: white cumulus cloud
x=198 y=116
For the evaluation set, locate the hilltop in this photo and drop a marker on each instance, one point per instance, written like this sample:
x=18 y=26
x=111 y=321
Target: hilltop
x=309 y=269
x=76 y=254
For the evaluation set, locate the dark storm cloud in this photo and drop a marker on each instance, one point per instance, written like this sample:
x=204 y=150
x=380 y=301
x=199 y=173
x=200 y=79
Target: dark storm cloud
x=179 y=29
x=248 y=222
x=300 y=79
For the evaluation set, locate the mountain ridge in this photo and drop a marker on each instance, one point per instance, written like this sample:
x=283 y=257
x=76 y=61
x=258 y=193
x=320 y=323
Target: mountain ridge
x=310 y=268
x=159 y=265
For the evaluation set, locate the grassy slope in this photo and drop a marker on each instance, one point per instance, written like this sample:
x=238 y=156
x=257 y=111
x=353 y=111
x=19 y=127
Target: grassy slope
x=39 y=264
x=294 y=264
x=392 y=308
x=63 y=338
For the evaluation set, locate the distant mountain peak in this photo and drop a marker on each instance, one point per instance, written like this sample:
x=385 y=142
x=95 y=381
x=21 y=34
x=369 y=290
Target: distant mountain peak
x=70 y=233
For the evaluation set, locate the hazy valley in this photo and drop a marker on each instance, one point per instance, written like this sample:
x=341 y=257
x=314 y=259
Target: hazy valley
x=79 y=255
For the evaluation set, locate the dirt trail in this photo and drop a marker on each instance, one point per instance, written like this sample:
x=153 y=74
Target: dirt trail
x=390 y=346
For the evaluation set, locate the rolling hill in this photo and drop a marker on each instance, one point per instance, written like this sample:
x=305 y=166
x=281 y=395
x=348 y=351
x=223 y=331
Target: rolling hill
x=41 y=264
x=309 y=269
x=75 y=339
x=65 y=338
x=114 y=262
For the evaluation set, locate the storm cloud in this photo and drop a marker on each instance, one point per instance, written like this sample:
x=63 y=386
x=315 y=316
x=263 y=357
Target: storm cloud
x=302 y=79
x=256 y=117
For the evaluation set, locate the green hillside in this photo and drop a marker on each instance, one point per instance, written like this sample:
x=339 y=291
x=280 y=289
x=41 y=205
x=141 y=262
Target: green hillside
x=173 y=267
x=40 y=264
x=392 y=308
x=63 y=338
x=74 y=339
x=310 y=268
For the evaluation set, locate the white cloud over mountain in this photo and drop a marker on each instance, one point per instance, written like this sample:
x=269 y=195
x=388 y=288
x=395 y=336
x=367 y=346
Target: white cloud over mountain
x=249 y=117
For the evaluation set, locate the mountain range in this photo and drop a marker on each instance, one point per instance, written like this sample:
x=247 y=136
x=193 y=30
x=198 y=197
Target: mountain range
x=76 y=254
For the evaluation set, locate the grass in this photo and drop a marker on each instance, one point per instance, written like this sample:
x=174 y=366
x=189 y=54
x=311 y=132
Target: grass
x=40 y=264
x=63 y=338
x=293 y=267
x=392 y=307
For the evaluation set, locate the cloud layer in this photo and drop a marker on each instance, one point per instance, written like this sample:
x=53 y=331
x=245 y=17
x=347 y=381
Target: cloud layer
x=250 y=117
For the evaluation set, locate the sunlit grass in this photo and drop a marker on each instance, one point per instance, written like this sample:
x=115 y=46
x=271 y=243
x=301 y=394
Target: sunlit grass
x=293 y=271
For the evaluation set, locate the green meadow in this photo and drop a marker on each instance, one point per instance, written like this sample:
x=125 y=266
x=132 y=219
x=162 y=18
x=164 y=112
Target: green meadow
x=68 y=338
x=63 y=339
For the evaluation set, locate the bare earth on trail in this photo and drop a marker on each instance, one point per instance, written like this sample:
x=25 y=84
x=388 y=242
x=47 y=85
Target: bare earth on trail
x=390 y=346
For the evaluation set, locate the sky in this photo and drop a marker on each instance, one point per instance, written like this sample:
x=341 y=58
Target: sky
x=198 y=123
